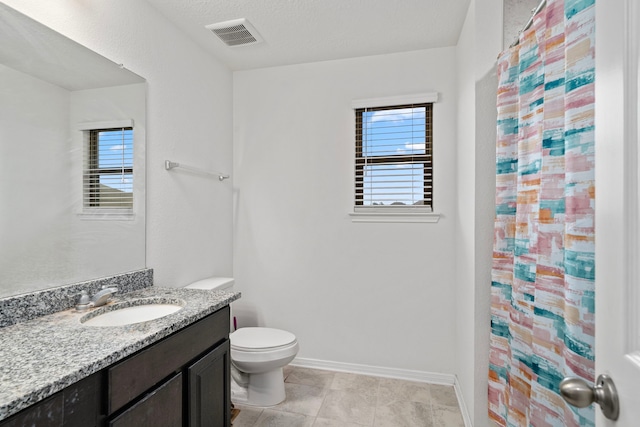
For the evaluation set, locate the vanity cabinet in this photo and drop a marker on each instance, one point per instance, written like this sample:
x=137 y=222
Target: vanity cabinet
x=185 y=376
x=181 y=380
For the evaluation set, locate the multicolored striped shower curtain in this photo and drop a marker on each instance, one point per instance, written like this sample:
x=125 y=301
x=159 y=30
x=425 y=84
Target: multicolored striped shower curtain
x=542 y=295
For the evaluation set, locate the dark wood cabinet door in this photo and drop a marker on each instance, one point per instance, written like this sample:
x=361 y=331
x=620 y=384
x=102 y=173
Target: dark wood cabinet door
x=82 y=403
x=47 y=413
x=76 y=406
x=160 y=408
x=209 y=386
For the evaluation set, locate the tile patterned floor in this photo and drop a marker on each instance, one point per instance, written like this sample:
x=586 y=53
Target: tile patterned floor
x=318 y=398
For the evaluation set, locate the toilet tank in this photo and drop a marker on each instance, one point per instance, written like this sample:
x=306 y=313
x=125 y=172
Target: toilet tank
x=218 y=284
x=213 y=283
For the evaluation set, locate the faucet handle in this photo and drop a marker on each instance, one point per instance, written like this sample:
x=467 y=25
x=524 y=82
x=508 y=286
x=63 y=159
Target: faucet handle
x=84 y=301
x=83 y=297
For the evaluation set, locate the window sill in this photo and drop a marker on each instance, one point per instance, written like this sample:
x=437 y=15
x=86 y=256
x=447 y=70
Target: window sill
x=428 y=217
x=116 y=215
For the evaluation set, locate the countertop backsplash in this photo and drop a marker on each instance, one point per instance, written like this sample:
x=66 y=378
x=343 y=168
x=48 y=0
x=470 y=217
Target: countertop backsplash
x=21 y=308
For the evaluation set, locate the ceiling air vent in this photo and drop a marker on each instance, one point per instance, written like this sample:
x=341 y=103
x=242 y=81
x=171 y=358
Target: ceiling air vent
x=238 y=32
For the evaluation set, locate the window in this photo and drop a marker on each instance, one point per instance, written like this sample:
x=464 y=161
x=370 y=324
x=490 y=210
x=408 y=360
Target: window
x=393 y=180
x=108 y=170
x=393 y=162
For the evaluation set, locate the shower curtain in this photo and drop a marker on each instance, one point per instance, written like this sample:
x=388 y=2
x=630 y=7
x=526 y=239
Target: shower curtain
x=542 y=291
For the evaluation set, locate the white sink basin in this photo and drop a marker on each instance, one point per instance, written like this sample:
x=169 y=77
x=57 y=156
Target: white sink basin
x=127 y=314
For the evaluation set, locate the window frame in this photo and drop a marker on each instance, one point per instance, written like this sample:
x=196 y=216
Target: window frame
x=394 y=213
x=89 y=162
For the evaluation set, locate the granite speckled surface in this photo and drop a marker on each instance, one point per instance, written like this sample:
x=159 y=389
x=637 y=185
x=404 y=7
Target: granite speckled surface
x=42 y=356
x=20 y=308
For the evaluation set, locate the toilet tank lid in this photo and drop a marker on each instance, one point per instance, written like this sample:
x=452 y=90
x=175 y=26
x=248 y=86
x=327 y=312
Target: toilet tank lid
x=212 y=283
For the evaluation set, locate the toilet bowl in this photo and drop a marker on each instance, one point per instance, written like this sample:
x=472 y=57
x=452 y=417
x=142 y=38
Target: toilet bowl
x=262 y=353
x=258 y=355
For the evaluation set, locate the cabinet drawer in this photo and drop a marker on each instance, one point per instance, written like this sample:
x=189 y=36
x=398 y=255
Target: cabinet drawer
x=162 y=407
x=138 y=373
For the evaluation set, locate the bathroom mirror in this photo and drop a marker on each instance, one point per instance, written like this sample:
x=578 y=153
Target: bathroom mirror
x=72 y=204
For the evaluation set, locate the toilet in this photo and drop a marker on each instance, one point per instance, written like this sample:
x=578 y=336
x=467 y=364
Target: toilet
x=258 y=355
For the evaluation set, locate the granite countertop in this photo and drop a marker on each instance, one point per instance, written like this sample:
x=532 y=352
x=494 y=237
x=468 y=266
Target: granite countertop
x=42 y=356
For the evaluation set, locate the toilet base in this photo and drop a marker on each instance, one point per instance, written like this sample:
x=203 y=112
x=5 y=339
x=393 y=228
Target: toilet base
x=265 y=389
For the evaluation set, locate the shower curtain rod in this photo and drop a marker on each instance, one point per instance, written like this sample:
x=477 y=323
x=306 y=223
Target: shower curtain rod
x=534 y=12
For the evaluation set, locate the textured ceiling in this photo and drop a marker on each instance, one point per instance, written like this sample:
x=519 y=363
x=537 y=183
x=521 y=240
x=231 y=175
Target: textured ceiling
x=299 y=31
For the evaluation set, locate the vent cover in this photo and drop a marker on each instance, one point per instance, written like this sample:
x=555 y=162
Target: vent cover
x=238 y=32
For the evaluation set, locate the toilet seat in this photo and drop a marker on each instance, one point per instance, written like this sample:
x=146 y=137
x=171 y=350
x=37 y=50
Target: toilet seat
x=258 y=339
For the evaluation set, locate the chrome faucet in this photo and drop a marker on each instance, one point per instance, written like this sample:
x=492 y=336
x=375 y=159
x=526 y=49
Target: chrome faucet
x=100 y=298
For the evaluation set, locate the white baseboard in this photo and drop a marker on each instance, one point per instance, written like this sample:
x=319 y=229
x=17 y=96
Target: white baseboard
x=402 y=374
x=462 y=403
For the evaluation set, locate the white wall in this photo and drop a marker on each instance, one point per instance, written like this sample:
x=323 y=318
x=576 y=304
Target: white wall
x=478 y=46
x=189 y=120
x=372 y=294
x=35 y=221
x=465 y=280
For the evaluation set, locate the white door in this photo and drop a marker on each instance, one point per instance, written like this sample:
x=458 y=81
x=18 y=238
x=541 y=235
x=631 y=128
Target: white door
x=617 y=205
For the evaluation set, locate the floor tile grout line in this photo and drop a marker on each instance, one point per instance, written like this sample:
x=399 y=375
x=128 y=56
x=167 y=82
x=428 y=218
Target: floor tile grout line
x=375 y=409
x=324 y=397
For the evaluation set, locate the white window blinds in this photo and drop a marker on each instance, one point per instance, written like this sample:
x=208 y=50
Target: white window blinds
x=108 y=169
x=393 y=159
